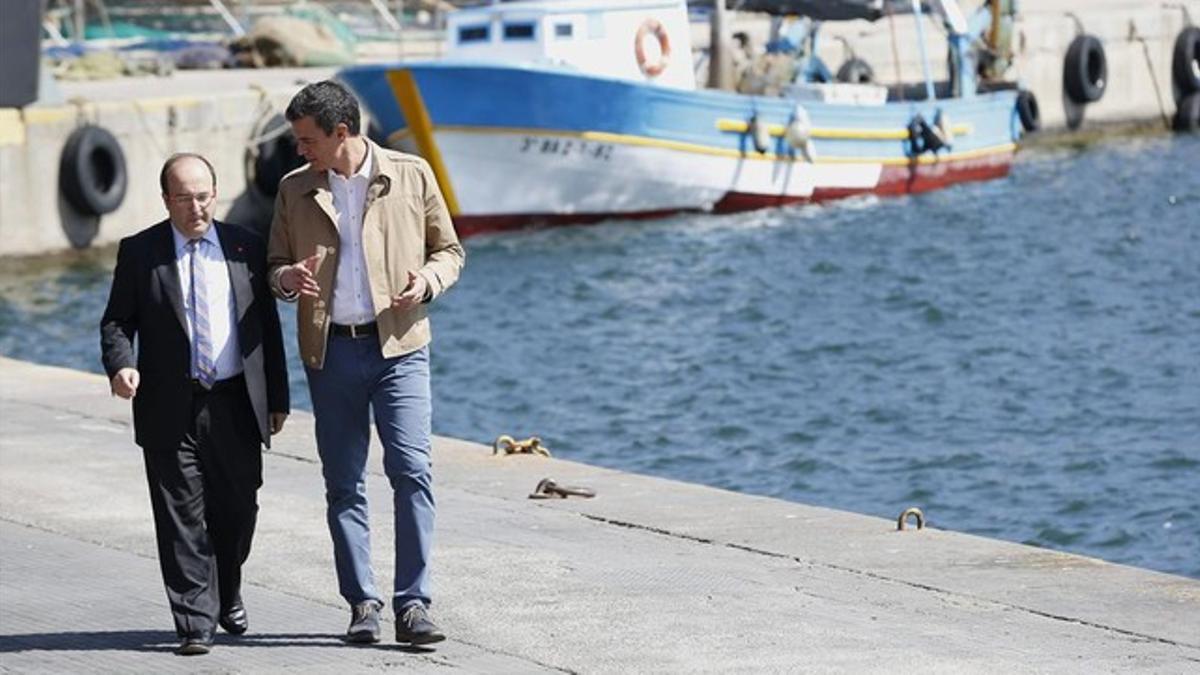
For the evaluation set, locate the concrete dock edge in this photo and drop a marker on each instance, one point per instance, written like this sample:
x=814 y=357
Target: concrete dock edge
x=650 y=576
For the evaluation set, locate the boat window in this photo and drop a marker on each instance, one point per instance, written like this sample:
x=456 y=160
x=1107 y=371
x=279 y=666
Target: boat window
x=518 y=31
x=472 y=34
x=563 y=30
x=595 y=26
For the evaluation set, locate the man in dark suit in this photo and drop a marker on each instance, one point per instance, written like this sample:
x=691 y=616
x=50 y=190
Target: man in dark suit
x=209 y=387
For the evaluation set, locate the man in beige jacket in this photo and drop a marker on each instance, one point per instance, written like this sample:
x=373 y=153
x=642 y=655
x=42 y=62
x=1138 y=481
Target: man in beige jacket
x=363 y=239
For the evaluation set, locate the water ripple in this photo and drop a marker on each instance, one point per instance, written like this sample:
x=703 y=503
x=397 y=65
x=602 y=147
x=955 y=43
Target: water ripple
x=1020 y=358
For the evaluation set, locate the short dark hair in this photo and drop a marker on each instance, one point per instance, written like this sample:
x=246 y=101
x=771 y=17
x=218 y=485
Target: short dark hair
x=329 y=104
x=175 y=158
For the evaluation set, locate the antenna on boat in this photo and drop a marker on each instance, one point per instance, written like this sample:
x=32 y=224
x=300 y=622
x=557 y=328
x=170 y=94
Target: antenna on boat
x=930 y=94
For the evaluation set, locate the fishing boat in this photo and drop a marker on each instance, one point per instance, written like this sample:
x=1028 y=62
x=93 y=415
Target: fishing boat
x=549 y=112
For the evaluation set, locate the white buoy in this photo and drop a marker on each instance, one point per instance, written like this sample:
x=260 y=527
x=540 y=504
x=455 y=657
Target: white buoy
x=799 y=133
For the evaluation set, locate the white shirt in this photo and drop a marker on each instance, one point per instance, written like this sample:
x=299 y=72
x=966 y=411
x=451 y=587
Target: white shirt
x=222 y=310
x=351 y=287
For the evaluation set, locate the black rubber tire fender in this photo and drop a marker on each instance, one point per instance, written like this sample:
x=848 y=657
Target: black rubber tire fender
x=92 y=175
x=1028 y=111
x=1187 y=117
x=856 y=71
x=1085 y=69
x=1185 y=65
x=916 y=136
x=276 y=158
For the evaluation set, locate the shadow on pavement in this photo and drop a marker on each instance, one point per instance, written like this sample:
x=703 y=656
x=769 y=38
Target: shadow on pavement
x=130 y=640
x=156 y=641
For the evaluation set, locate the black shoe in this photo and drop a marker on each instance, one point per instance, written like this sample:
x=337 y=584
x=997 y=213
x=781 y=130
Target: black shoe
x=364 y=622
x=234 y=620
x=414 y=627
x=195 y=645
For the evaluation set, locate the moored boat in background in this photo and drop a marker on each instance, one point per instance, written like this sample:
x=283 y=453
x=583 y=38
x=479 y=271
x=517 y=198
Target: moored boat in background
x=574 y=111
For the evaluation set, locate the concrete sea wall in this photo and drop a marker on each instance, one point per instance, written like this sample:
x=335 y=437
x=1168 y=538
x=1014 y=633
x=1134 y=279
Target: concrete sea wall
x=219 y=112
x=1042 y=33
x=216 y=113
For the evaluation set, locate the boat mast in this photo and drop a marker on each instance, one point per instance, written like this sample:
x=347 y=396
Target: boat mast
x=917 y=17
x=720 y=68
x=227 y=16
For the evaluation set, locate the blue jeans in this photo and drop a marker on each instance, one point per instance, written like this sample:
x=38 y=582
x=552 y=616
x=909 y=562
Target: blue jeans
x=355 y=381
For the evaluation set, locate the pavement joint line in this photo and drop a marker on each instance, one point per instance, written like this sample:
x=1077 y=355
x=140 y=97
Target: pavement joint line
x=69 y=411
x=72 y=537
x=879 y=577
x=292 y=594
x=976 y=601
x=676 y=535
x=432 y=658
x=305 y=460
x=515 y=655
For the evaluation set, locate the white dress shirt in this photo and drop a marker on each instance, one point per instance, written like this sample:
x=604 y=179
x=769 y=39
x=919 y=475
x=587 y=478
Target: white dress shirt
x=352 y=303
x=222 y=310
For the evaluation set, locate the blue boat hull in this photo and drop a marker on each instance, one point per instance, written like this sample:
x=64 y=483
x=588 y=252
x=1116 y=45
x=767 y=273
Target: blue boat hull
x=513 y=145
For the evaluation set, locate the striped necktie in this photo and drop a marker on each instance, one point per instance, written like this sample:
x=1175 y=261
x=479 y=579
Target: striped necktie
x=202 y=350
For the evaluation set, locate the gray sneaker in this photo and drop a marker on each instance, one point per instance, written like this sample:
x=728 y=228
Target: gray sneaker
x=414 y=627
x=364 y=622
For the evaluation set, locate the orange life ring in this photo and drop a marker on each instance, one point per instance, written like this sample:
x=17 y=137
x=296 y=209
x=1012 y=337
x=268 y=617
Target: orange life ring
x=664 y=46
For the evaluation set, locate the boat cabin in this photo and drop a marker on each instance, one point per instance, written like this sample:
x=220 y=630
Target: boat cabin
x=588 y=36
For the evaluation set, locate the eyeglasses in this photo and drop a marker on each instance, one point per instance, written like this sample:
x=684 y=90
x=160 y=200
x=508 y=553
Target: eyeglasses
x=201 y=198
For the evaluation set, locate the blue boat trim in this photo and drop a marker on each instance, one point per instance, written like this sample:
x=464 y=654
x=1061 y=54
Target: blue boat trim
x=645 y=141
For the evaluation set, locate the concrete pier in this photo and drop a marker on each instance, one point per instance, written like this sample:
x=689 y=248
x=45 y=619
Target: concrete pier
x=649 y=576
x=217 y=113
x=1041 y=34
x=220 y=112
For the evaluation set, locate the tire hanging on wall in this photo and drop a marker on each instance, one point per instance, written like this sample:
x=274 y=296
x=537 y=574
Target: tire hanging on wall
x=1185 y=65
x=92 y=175
x=273 y=158
x=1028 y=111
x=1187 y=117
x=1085 y=70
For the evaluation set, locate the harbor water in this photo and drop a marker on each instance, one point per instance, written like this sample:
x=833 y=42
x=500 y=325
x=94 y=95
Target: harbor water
x=1019 y=358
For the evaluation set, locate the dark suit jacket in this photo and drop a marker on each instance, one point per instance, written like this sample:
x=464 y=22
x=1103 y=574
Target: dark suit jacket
x=146 y=301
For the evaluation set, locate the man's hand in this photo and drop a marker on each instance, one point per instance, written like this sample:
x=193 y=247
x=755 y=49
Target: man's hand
x=125 y=383
x=413 y=294
x=277 y=420
x=298 y=278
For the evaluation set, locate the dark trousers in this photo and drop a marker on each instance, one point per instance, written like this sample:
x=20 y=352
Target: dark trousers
x=204 y=497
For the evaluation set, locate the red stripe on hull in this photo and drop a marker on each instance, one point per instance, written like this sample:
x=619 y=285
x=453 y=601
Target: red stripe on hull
x=893 y=180
x=733 y=202
x=914 y=178
x=468 y=226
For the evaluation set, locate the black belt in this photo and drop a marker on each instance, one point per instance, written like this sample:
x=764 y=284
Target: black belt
x=354 y=331
x=219 y=386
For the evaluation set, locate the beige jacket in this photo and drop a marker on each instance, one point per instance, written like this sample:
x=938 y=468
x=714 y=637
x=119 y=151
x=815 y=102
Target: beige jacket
x=406 y=226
